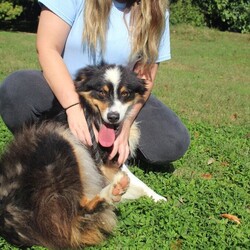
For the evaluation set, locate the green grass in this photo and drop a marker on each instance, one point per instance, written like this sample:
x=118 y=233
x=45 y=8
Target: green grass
x=207 y=83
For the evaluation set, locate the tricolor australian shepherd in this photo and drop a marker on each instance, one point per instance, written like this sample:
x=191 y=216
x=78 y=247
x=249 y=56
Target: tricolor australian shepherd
x=56 y=192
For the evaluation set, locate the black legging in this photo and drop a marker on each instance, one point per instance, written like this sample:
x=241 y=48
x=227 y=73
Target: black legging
x=25 y=96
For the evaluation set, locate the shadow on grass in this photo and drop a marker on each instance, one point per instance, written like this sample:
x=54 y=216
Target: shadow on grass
x=147 y=167
x=166 y=168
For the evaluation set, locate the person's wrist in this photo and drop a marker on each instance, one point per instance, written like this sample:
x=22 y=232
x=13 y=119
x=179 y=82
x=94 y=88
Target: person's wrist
x=126 y=128
x=72 y=105
x=73 y=108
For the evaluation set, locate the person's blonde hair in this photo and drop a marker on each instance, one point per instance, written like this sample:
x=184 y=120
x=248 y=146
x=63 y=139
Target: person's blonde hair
x=146 y=26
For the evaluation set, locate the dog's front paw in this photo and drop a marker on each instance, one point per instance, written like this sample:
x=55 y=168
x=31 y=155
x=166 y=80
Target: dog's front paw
x=120 y=185
x=114 y=191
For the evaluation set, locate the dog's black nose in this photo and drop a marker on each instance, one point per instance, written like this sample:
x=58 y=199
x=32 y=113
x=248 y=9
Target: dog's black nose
x=113 y=117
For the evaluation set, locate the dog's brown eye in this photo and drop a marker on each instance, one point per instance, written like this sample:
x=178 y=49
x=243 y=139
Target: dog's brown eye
x=124 y=93
x=102 y=93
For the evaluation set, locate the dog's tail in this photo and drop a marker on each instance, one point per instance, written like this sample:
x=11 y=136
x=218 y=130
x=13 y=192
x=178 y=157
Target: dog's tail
x=92 y=229
x=63 y=225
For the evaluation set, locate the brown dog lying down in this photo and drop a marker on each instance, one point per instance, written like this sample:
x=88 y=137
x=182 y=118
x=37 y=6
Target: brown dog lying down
x=56 y=192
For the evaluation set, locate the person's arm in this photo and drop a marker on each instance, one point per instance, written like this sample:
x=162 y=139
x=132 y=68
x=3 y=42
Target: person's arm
x=121 y=143
x=51 y=37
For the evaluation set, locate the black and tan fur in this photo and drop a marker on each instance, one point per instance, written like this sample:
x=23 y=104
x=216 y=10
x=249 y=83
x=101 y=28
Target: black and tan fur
x=53 y=191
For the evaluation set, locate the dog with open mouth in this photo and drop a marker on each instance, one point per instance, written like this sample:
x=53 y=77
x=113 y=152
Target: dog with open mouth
x=56 y=192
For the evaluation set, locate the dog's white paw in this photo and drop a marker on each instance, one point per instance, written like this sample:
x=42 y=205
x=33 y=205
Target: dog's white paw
x=114 y=191
x=120 y=185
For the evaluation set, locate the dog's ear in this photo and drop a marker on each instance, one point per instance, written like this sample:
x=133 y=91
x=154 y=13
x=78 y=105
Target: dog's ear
x=141 y=86
x=83 y=77
x=134 y=83
x=80 y=80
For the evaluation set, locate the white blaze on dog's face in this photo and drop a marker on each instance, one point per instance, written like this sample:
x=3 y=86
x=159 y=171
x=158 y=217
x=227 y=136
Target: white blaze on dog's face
x=110 y=90
x=117 y=110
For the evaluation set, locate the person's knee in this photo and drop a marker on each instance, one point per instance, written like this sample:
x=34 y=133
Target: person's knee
x=6 y=105
x=166 y=152
x=179 y=148
x=181 y=145
x=12 y=101
x=10 y=89
x=6 y=93
x=24 y=98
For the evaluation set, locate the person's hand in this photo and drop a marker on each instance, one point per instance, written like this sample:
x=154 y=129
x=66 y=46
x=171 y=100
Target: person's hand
x=121 y=146
x=78 y=124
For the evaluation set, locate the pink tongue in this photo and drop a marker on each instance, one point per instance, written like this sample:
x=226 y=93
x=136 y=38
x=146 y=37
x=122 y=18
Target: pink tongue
x=106 y=136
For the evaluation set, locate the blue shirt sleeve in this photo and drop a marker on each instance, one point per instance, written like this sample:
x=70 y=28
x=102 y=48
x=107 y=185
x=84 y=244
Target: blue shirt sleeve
x=65 y=9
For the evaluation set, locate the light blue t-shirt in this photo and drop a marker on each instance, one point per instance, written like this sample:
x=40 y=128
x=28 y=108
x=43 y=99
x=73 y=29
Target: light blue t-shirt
x=118 y=45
